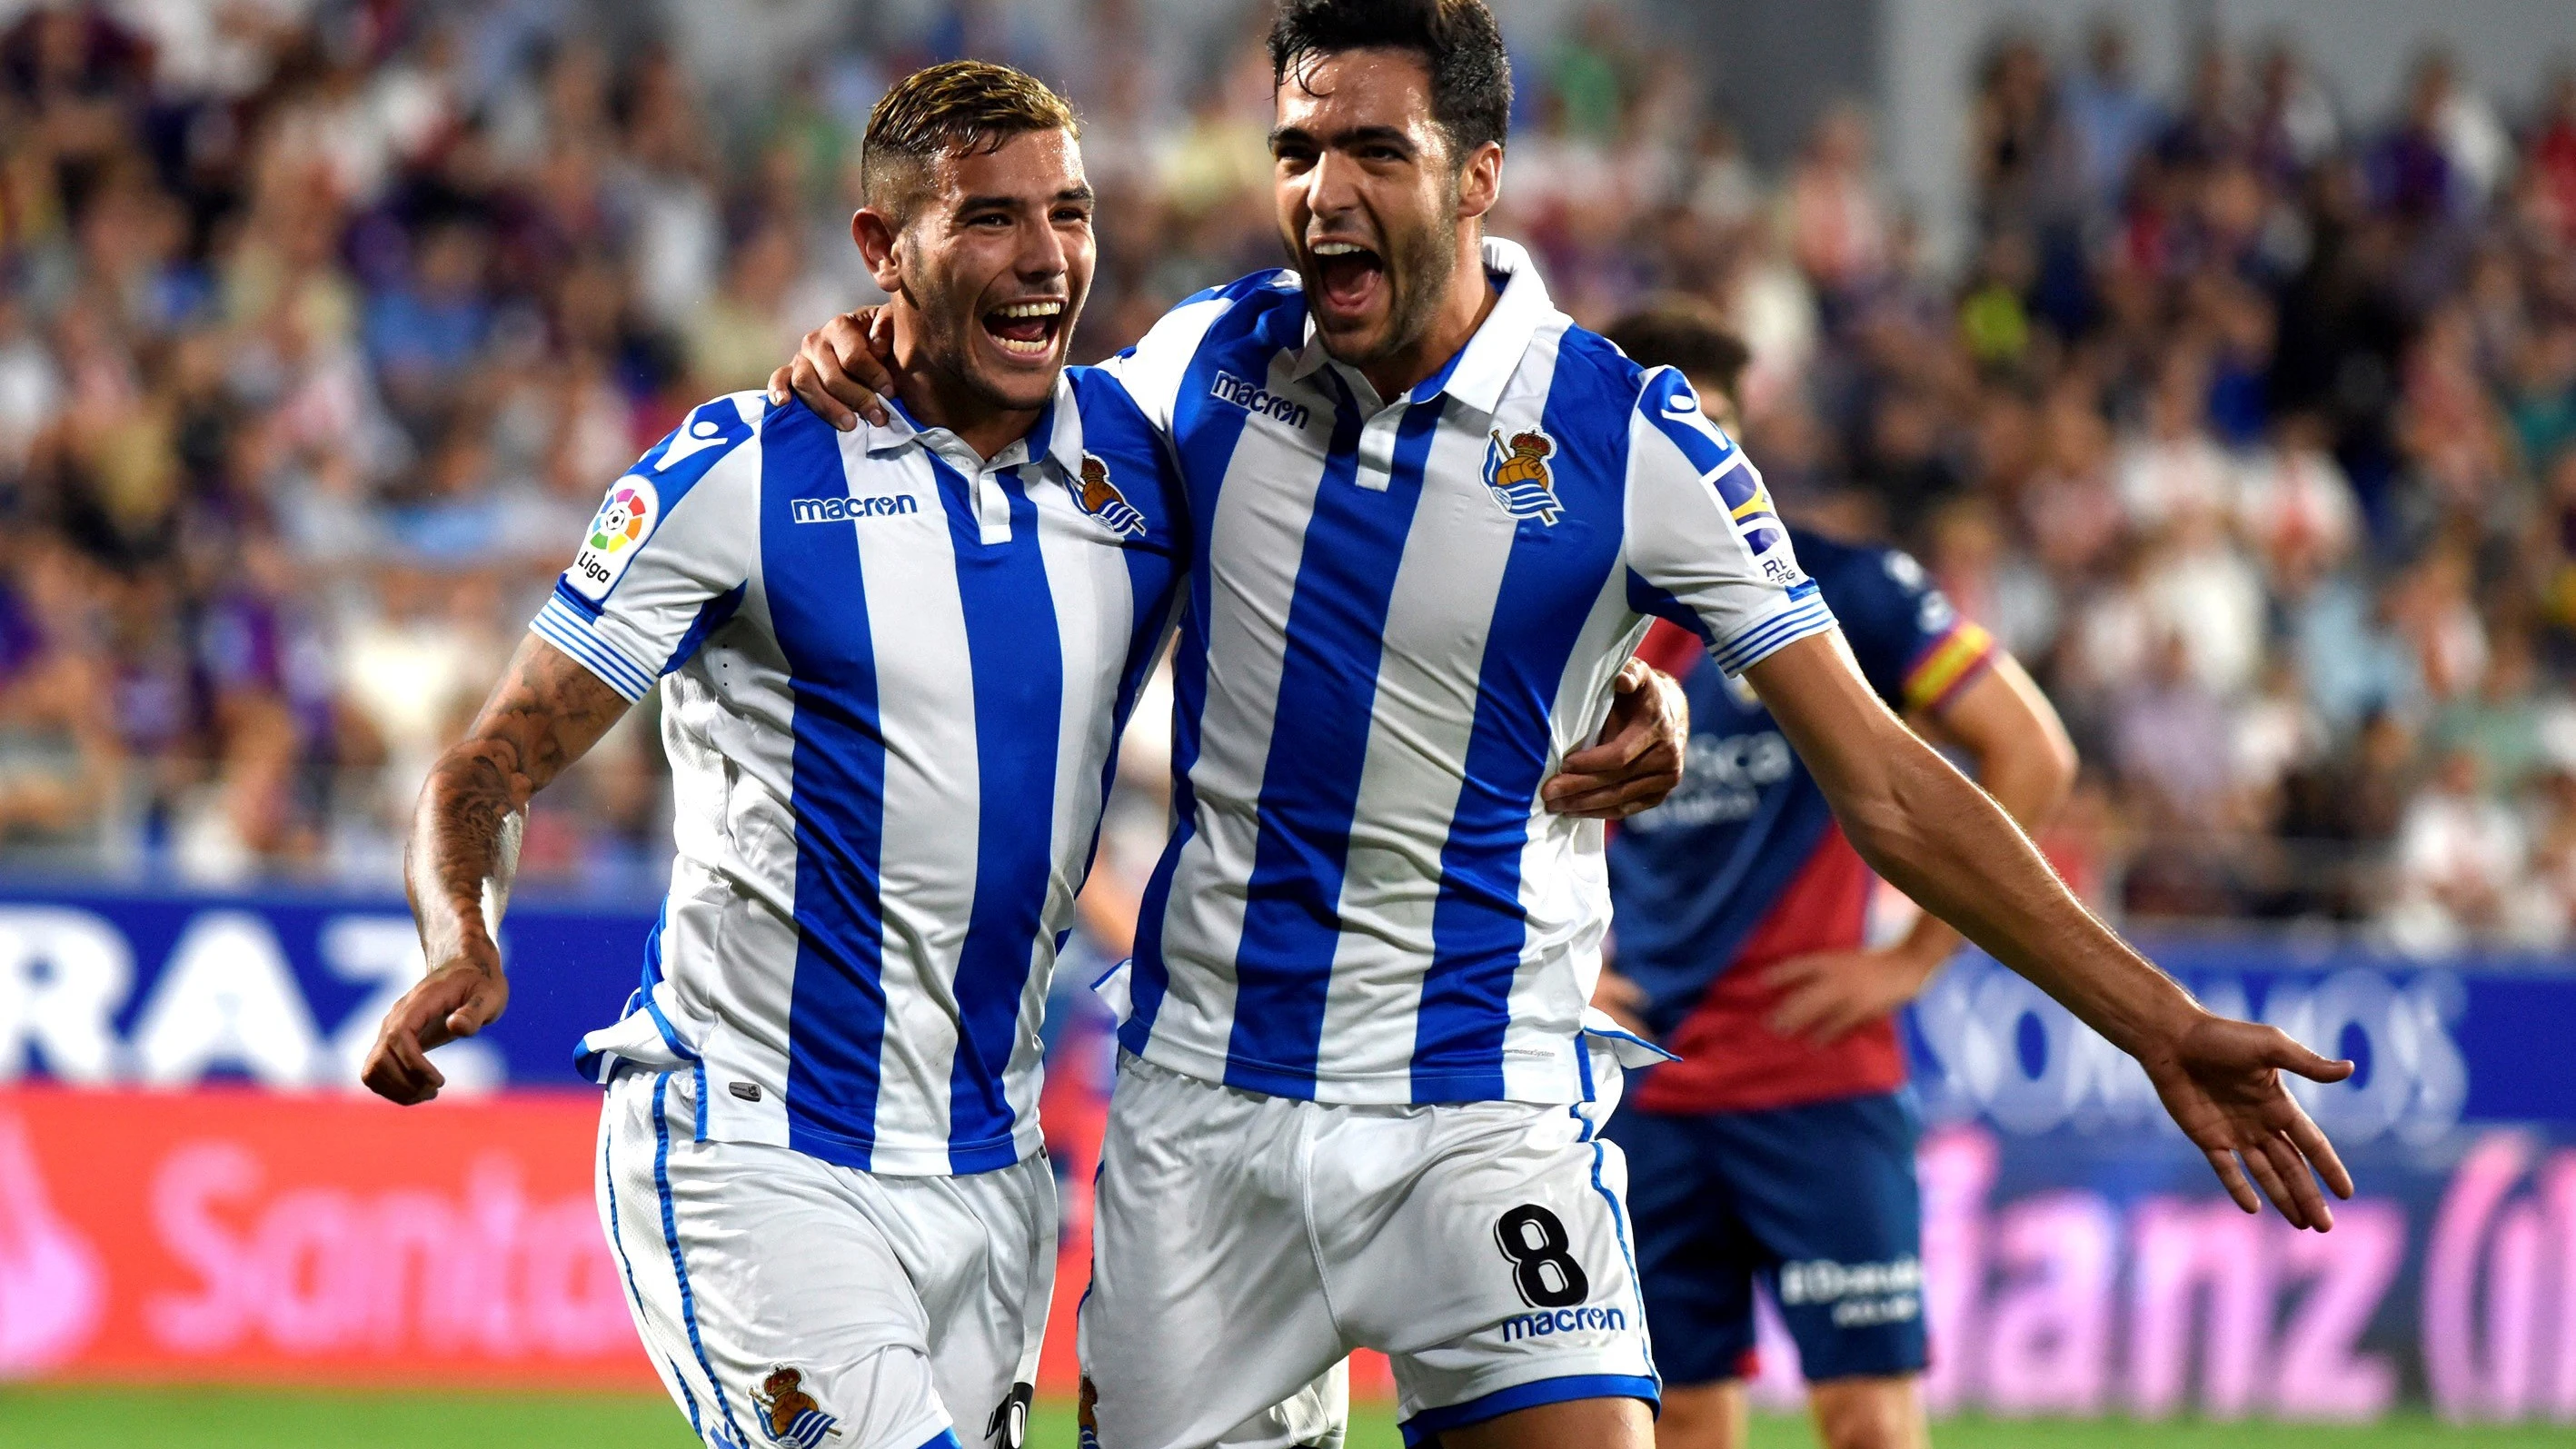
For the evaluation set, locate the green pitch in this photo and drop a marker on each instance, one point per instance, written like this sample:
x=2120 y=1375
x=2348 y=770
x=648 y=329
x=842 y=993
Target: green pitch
x=180 y=1418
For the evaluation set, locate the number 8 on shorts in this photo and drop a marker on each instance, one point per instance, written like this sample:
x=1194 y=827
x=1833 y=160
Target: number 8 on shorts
x=1543 y=1265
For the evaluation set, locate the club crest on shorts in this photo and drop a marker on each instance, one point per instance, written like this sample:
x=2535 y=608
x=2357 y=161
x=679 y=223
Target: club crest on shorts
x=789 y=1414
x=1516 y=474
x=1101 y=499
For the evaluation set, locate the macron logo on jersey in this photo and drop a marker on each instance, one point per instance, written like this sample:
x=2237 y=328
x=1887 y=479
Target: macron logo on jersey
x=842 y=510
x=1253 y=398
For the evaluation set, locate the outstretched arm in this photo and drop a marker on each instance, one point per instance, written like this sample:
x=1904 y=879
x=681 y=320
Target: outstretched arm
x=2021 y=756
x=1941 y=840
x=546 y=712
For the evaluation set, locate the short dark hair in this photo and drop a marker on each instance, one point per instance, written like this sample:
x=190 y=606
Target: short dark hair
x=1685 y=333
x=1471 y=73
x=958 y=106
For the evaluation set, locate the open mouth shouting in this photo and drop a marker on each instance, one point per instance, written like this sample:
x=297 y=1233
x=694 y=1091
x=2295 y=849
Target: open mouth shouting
x=1350 y=281
x=1026 y=331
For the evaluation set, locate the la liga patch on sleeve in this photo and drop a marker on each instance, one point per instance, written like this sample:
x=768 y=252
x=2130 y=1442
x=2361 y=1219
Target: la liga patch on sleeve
x=617 y=532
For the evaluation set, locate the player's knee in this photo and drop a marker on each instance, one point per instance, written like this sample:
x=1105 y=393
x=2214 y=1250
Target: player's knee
x=1868 y=1414
x=1702 y=1416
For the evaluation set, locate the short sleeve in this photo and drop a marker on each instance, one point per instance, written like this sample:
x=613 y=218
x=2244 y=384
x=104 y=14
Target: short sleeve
x=669 y=555
x=1153 y=370
x=1913 y=647
x=1706 y=549
x=1136 y=469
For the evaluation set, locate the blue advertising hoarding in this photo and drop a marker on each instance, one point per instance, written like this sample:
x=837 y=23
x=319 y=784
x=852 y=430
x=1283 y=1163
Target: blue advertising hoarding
x=2078 y=1258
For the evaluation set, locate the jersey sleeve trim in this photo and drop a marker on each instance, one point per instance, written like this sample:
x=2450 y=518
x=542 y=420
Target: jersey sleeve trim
x=1802 y=613
x=1946 y=665
x=570 y=630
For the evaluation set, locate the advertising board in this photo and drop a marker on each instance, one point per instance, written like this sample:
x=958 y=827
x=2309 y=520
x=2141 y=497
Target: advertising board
x=192 y=1186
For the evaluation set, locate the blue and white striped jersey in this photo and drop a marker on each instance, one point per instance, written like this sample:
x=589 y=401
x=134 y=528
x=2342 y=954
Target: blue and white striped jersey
x=892 y=677
x=1402 y=615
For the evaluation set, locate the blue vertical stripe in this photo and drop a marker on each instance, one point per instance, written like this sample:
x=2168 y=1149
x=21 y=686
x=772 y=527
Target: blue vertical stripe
x=626 y=1264
x=1318 y=744
x=1204 y=434
x=1478 y=925
x=1115 y=429
x=1015 y=656
x=818 y=611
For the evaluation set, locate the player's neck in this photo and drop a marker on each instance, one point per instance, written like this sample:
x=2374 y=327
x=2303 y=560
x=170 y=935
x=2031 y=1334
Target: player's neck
x=937 y=397
x=1464 y=305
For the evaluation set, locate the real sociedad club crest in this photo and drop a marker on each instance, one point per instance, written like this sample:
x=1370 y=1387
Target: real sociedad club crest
x=789 y=1413
x=1101 y=499
x=1516 y=474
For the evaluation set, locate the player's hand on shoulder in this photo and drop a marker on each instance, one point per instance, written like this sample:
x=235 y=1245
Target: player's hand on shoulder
x=459 y=997
x=1639 y=758
x=1827 y=995
x=841 y=369
x=2221 y=1080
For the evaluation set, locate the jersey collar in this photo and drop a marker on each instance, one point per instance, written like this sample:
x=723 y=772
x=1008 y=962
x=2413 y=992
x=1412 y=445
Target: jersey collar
x=1057 y=434
x=1484 y=367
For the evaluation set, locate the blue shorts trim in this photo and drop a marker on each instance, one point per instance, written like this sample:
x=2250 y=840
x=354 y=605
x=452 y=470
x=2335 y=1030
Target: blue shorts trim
x=1528 y=1396
x=944 y=1439
x=679 y=1264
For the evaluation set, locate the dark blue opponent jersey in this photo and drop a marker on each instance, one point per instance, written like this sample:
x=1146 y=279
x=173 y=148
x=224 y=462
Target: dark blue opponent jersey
x=1743 y=865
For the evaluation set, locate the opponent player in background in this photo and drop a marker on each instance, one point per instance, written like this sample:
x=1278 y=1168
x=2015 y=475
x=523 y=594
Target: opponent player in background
x=1431 y=518
x=1781 y=1145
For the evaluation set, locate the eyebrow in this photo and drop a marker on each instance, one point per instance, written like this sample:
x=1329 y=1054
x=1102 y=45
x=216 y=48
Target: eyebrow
x=1010 y=203
x=1354 y=136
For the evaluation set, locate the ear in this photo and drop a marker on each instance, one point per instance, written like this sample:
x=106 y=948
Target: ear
x=880 y=244
x=1480 y=181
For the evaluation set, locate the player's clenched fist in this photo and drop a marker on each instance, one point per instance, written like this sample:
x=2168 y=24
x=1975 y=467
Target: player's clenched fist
x=456 y=999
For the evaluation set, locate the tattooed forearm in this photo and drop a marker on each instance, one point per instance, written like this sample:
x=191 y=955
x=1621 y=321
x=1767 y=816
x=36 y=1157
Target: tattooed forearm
x=543 y=715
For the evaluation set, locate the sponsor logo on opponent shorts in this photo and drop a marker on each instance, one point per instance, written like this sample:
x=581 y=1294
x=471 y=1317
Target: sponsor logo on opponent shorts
x=1862 y=1295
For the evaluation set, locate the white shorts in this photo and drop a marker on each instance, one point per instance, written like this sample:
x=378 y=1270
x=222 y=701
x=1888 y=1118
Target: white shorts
x=788 y=1301
x=1244 y=1244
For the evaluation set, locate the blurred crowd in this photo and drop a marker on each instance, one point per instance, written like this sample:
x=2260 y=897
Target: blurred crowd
x=2248 y=421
